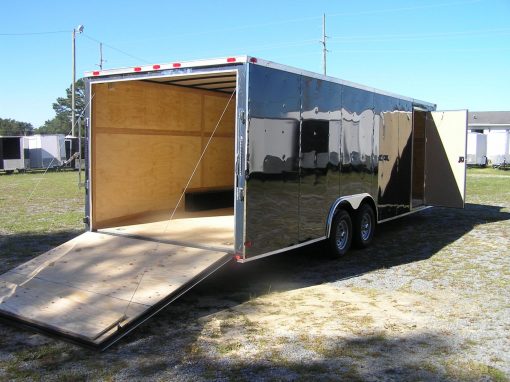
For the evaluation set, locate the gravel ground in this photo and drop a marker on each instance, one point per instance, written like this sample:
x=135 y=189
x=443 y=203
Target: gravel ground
x=428 y=301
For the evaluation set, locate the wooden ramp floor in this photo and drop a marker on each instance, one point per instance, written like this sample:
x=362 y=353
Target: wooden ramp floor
x=213 y=229
x=98 y=286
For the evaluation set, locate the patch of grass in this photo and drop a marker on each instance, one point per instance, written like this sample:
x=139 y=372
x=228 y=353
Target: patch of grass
x=488 y=185
x=474 y=371
x=41 y=203
x=28 y=363
x=228 y=347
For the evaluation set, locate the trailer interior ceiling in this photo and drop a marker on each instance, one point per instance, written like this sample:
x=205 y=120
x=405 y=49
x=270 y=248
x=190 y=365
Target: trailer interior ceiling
x=147 y=137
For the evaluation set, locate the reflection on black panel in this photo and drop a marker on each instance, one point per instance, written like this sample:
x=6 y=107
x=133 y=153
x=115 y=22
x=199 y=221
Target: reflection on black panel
x=314 y=144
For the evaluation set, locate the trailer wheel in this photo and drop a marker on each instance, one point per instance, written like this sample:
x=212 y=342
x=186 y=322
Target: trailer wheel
x=364 y=226
x=341 y=233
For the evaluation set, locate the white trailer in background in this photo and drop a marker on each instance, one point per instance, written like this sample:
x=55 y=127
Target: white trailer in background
x=498 y=146
x=476 y=149
x=46 y=150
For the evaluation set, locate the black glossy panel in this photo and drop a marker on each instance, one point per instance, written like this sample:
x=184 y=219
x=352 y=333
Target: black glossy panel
x=272 y=185
x=273 y=93
x=314 y=167
x=395 y=161
x=319 y=158
x=357 y=140
x=312 y=141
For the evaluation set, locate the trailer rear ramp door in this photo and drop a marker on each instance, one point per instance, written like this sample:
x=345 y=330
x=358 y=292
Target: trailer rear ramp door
x=97 y=287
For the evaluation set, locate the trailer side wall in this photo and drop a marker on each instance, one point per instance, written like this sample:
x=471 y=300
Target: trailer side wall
x=312 y=141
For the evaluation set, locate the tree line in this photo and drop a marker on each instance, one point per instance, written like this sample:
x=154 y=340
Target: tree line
x=60 y=124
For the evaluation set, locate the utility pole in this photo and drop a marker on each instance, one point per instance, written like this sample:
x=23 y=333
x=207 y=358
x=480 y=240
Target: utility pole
x=323 y=42
x=101 y=56
x=79 y=29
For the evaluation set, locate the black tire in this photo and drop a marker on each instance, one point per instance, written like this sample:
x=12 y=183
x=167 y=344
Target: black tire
x=364 y=226
x=340 y=237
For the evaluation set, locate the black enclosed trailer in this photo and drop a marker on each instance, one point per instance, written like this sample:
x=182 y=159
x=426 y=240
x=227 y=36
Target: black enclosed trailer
x=13 y=156
x=192 y=164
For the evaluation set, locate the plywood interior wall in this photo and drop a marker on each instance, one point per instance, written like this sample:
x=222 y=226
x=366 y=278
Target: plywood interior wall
x=146 y=140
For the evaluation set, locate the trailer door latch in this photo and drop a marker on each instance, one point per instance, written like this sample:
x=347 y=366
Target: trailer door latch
x=240 y=193
x=461 y=159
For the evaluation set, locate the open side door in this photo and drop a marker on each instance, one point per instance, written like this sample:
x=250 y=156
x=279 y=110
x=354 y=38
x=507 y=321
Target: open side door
x=445 y=158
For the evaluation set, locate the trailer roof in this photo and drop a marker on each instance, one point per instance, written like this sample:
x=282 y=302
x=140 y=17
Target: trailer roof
x=232 y=60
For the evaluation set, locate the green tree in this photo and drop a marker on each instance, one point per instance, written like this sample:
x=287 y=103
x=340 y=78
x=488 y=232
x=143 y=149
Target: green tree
x=61 y=123
x=12 y=127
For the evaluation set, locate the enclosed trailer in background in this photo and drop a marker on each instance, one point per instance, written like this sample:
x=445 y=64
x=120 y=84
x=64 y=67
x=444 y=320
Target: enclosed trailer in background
x=13 y=157
x=476 y=149
x=193 y=164
x=498 y=146
x=46 y=150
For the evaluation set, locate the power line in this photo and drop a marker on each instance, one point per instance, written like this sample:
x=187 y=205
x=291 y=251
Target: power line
x=34 y=33
x=402 y=9
x=116 y=49
x=396 y=37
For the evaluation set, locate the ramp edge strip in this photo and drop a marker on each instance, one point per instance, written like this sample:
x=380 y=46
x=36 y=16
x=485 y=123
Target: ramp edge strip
x=179 y=243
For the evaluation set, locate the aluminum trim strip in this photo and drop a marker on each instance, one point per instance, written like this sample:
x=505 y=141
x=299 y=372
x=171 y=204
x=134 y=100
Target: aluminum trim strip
x=281 y=250
x=182 y=64
x=417 y=209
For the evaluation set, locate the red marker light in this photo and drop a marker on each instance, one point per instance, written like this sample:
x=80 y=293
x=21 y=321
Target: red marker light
x=231 y=59
x=156 y=66
x=96 y=73
x=248 y=244
x=176 y=65
x=138 y=69
x=253 y=59
x=237 y=257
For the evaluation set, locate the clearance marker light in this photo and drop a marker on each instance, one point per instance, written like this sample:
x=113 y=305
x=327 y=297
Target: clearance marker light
x=96 y=73
x=176 y=65
x=137 y=69
x=253 y=59
x=156 y=66
x=237 y=257
x=231 y=59
x=248 y=244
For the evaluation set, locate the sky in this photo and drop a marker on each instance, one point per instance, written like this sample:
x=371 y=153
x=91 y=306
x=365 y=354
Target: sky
x=455 y=53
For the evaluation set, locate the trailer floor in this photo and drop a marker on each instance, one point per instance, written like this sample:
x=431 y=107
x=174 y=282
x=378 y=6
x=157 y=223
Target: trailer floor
x=99 y=286
x=204 y=229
